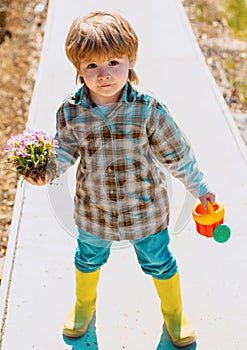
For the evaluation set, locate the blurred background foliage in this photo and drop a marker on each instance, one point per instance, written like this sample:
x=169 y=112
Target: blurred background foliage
x=236 y=16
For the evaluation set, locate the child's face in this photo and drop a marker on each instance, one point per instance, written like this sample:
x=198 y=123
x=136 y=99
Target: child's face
x=106 y=79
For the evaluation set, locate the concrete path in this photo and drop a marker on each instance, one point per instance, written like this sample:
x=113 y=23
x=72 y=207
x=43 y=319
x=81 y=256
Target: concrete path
x=38 y=285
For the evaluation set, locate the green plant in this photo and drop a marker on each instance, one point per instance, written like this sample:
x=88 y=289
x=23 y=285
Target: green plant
x=236 y=15
x=230 y=64
x=241 y=86
x=201 y=11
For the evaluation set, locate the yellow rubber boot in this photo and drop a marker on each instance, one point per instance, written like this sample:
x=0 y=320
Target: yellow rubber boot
x=180 y=330
x=80 y=316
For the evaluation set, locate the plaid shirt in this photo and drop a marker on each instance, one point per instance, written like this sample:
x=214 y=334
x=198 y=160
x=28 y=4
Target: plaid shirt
x=121 y=191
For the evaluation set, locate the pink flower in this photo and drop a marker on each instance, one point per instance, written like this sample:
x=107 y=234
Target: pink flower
x=31 y=149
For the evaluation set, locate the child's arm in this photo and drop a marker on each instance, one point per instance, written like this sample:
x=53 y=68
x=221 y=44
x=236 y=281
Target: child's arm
x=67 y=151
x=172 y=150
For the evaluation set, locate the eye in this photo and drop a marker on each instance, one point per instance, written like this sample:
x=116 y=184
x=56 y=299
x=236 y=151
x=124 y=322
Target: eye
x=113 y=63
x=91 y=66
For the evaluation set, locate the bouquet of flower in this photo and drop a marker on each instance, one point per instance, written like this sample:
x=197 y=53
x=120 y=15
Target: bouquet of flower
x=30 y=153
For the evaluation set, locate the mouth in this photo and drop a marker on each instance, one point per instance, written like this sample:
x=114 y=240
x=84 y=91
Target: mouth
x=105 y=85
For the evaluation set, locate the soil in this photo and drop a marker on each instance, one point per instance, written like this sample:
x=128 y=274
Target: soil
x=225 y=53
x=21 y=35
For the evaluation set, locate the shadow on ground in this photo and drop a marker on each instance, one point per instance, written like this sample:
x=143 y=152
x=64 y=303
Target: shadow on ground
x=166 y=344
x=89 y=340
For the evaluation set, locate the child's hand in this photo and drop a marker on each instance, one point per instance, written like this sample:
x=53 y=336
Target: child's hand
x=210 y=196
x=38 y=182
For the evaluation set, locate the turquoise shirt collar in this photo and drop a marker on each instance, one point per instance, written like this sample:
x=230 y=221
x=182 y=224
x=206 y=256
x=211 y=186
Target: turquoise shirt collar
x=82 y=96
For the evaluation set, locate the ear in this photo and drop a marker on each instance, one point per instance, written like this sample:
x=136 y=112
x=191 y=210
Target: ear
x=79 y=78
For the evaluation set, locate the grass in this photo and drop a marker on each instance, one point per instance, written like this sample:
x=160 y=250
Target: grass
x=236 y=81
x=229 y=15
x=241 y=86
x=236 y=16
x=202 y=11
x=234 y=12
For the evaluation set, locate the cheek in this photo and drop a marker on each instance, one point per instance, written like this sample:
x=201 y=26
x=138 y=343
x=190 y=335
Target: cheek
x=86 y=76
x=123 y=74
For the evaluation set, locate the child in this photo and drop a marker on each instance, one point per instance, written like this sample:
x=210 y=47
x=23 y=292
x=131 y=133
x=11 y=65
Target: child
x=120 y=135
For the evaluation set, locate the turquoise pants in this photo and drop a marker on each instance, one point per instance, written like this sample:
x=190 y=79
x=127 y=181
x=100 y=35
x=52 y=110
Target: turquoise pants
x=152 y=253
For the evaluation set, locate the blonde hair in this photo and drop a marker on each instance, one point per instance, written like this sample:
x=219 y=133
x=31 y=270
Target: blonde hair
x=101 y=34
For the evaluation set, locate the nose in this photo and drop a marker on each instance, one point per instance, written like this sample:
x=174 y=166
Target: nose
x=103 y=73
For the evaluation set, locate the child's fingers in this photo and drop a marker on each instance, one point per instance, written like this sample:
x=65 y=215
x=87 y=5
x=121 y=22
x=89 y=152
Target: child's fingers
x=210 y=196
x=38 y=182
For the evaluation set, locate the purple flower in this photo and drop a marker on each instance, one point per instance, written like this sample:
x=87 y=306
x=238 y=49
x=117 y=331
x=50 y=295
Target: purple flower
x=21 y=151
x=37 y=146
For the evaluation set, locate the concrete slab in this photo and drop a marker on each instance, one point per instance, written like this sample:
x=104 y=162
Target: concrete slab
x=38 y=286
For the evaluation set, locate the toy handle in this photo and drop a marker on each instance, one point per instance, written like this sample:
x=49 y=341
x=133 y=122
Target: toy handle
x=210 y=207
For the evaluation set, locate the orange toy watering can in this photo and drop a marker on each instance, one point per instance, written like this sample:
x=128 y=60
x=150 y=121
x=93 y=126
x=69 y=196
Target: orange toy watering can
x=209 y=222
